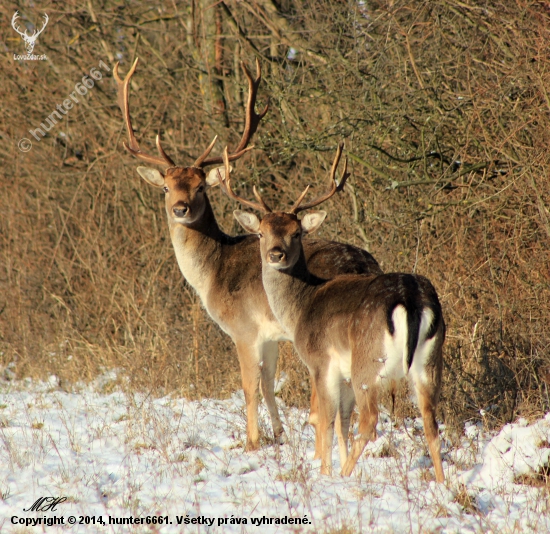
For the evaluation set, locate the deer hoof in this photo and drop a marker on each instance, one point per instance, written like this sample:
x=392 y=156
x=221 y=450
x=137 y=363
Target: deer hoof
x=252 y=446
x=281 y=439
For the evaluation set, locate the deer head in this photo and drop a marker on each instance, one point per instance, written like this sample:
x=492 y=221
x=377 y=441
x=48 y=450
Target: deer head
x=29 y=40
x=281 y=233
x=185 y=187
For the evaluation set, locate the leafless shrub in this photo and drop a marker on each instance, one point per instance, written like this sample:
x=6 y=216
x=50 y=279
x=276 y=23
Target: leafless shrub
x=444 y=108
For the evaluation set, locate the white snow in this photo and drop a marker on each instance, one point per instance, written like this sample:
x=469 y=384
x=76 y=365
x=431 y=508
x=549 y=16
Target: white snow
x=131 y=455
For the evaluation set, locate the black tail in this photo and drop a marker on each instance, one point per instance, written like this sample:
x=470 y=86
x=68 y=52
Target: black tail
x=414 y=316
x=409 y=296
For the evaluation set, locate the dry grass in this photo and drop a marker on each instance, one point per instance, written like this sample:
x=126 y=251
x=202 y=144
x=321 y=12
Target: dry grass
x=466 y=500
x=444 y=110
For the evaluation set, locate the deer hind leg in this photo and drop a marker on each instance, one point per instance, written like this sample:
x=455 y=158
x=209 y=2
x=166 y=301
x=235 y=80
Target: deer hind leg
x=347 y=403
x=393 y=391
x=314 y=419
x=367 y=401
x=328 y=408
x=249 y=359
x=270 y=353
x=427 y=402
x=425 y=373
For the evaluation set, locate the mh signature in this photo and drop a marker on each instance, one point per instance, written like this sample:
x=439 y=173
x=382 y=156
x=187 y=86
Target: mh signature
x=45 y=504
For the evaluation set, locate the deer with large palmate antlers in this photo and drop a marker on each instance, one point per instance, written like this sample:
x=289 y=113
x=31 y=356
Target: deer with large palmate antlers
x=225 y=271
x=357 y=334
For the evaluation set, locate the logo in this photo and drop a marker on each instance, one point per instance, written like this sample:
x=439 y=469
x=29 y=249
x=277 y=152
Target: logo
x=29 y=40
x=45 y=504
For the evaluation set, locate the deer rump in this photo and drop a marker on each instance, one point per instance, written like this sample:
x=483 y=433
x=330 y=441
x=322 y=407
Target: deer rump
x=393 y=325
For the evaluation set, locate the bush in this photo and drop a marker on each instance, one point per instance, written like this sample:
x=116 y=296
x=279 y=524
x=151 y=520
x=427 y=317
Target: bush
x=443 y=107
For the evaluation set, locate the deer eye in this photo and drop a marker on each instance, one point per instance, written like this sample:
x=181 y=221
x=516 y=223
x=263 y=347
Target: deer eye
x=165 y=189
x=200 y=189
x=296 y=235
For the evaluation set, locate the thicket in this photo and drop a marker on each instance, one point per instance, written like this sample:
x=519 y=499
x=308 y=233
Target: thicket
x=444 y=109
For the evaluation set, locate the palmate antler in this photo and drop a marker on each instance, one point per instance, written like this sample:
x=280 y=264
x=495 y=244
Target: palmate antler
x=252 y=119
x=30 y=40
x=335 y=187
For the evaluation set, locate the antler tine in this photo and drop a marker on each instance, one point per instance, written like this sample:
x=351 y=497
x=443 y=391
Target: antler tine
x=124 y=104
x=265 y=207
x=334 y=186
x=13 y=22
x=345 y=176
x=46 y=19
x=167 y=159
x=296 y=205
x=200 y=160
x=252 y=120
x=225 y=184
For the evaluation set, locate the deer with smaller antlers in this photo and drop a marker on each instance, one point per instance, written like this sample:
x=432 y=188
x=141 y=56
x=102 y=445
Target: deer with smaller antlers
x=357 y=334
x=224 y=270
x=29 y=40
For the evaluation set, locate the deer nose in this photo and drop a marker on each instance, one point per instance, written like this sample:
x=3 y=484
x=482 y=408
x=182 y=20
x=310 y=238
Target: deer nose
x=276 y=255
x=180 y=210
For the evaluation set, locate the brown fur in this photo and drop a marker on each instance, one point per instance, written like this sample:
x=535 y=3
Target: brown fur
x=351 y=328
x=226 y=273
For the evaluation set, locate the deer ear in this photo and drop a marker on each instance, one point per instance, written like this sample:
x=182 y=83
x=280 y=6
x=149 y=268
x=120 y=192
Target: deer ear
x=248 y=221
x=151 y=176
x=312 y=220
x=212 y=176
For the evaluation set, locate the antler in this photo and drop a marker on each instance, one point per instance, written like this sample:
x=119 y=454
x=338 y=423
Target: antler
x=13 y=21
x=250 y=126
x=251 y=122
x=334 y=187
x=225 y=184
x=133 y=145
x=46 y=19
x=24 y=34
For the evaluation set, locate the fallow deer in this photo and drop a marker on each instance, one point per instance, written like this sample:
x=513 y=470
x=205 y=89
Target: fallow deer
x=225 y=271
x=357 y=334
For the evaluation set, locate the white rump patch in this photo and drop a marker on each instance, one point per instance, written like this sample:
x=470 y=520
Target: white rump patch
x=395 y=366
x=424 y=348
x=395 y=347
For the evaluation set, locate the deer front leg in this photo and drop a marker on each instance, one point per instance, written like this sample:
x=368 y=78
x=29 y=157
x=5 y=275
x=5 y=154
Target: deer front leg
x=314 y=419
x=270 y=353
x=249 y=359
x=342 y=424
x=347 y=402
x=328 y=409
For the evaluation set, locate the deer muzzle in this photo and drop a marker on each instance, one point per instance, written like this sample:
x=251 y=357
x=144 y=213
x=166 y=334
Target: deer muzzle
x=276 y=255
x=181 y=210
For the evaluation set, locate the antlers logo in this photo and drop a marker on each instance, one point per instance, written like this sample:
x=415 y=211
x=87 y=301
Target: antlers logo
x=30 y=40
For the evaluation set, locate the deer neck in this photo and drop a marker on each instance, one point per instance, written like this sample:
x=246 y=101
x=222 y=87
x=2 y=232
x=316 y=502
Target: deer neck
x=289 y=292
x=198 y=247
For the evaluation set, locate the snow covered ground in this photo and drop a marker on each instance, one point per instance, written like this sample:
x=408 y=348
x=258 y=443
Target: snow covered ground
x=115 y=457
